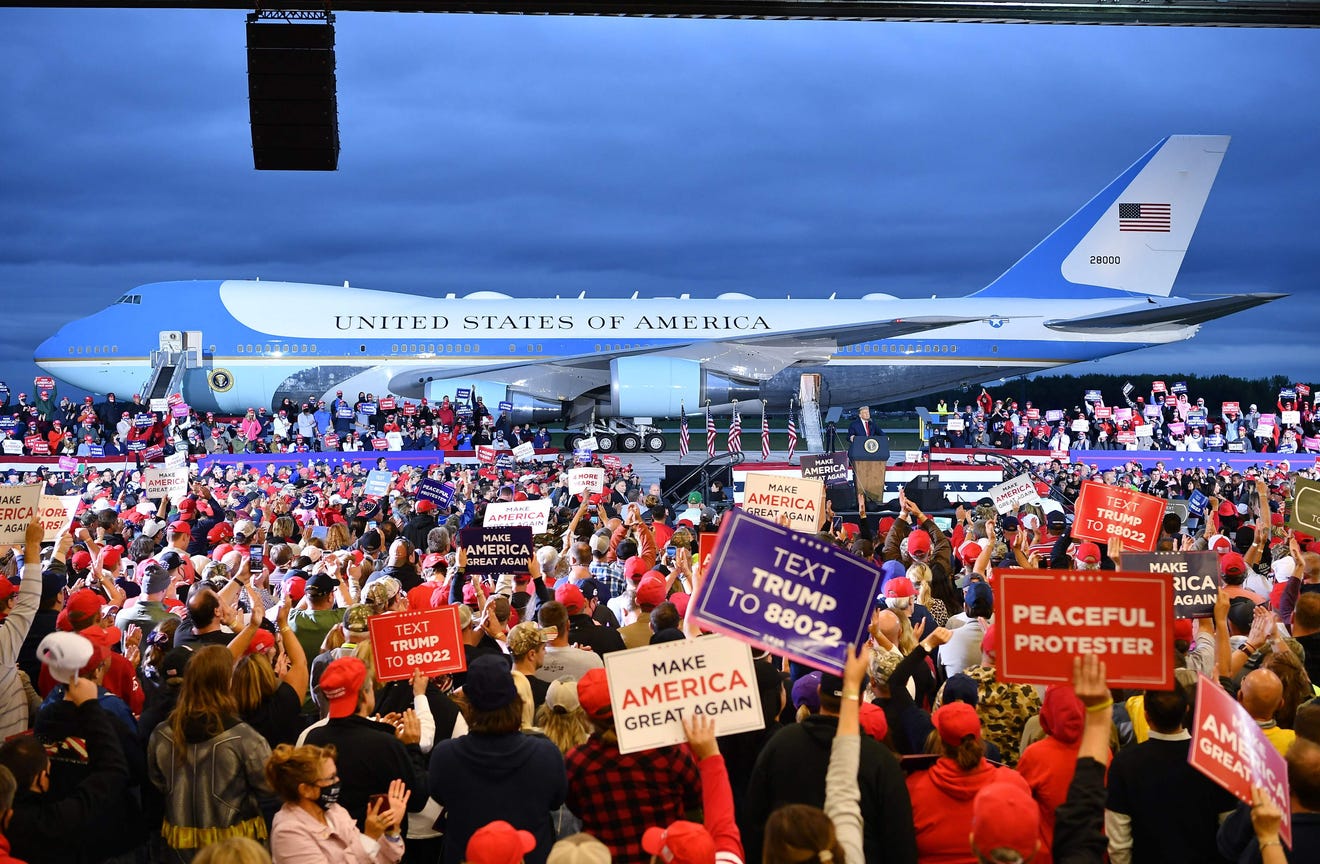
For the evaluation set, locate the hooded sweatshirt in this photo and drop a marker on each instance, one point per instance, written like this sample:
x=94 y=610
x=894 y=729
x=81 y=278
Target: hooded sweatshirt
x=942 y=808
x=1048 y=765
x=480 y=778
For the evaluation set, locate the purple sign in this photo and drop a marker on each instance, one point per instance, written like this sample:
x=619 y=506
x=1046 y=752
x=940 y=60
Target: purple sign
x=143 y=421
x=180 y=409
x=787 y=592
x=441 y=493
x=368 y=408
x=68 y=463
x=496 y=551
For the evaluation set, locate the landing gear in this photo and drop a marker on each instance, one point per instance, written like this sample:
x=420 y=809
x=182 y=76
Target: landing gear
x=605 y=442
x=629 y=442
x=654 y=442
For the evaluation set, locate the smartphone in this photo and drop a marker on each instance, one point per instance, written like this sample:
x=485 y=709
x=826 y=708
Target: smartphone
x=380 y=802
x=671 y=550
x=371 y=526
x=838 y=522
x=256 y=555
x=319 y=532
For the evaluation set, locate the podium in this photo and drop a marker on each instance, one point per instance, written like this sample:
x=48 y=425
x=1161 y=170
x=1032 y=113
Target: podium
x=868 y=454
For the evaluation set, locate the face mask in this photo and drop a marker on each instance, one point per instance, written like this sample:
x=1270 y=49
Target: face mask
x=329 y=796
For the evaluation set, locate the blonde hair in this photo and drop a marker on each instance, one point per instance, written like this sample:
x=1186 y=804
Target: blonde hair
x=235 y=850
x=254 y=682
x=567 y=729
x=920 y=575
x=336 y=537
x=290 y=767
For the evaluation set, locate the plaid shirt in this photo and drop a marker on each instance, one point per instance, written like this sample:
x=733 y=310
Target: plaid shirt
x=609 y=575
x=617 y=797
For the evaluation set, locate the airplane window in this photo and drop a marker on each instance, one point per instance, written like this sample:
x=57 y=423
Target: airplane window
x=994 y=349
x=304 y=349
x=238 y=350
x=412 y=349
x=313 y=349
x=476 y=349
x=953 y=349
x=467 y=347
x=267 y=348
x=513 y=349
x=430 y=349
x=449 y=348
x=598 y=348
x=362 y=348
x=79 y=349
x=394 y=349
x=70 y=349
x=96 y=349
x=114 y=349
x=284 y=349
x=538 y=348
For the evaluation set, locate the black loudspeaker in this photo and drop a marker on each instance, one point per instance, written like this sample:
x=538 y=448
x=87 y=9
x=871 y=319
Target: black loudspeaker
x=927 y=492
x=291 y=96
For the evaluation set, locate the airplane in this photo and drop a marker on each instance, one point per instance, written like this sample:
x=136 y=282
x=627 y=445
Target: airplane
x=1098 y=285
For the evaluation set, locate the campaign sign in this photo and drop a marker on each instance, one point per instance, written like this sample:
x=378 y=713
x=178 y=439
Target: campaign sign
x=1170 y=401
x=135 y=446
x=164 y=482
x=8 y=424
x=1230 y=748
x=1195 y=578
x=1177 y=428
x=428 y=640
x=441 y=493
x=18 y=504
x=1303 y=389
x=159 y=406
x=496 y=551
x=586 y=481
x=1127 y=437
x=1157 y=387
x=1092 y=396
x=43 y=382
x=154 y=453
x=12 y=447
x=525 y=450
x=770 y=496
x=1287 y=393
x=485 y=455
x=56 y=514
x=614 y=463
x=1311 y=443
x=1305 y=510
x=68 y=463
x=654 y=687
x=786 y=591
x=1045 y=618
x=1197 y=501
x=1103 y=412
x=378 y=483
x=1033 y=413
x=1080 y=425
x=506 y=462
x=1290 y=418
x=1151 y=412
x=144 y=421
x=511 y=514
x=330 y=441
x=829 y=468
x=582 y=457
x=96 y=451
x=367 y=408
x=344 y=412
x=386 y=404
x=506 y=406
x=462 y=394
x=174 y=399
x=409 y=409
x=706 y=545
x=1012 y=494
x=1122 y=414
x=1110 y=511
x=379 y=444
x=180 y=409
x=1231 y=408
x=588 y=444
x=1180 y=387
x=308 y=500
x=955 y=423
x=1053 y=416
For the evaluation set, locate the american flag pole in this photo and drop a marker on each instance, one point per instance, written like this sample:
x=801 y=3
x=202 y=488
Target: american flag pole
x=682 y=431
x=735 y=431
x=710 y=432
x=792 y=431
x=765 y=434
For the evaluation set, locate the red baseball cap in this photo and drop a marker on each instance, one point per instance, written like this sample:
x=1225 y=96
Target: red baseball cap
x=681 y=843
x=651 y=592
x=954 y=721
x=593 y=691
x=873 y=721
x=634 y=568
x=499 y=843
x=900 y=586
x=341 y=682
x=918 y=542
x=432 y=560
x=81 y=610
x=1232 y=564
x=571 y=596
x=1004 y=816
x=1087 y=553
x=969 y=552
x=1227 y=508
x=181 y=527
x=426 y=505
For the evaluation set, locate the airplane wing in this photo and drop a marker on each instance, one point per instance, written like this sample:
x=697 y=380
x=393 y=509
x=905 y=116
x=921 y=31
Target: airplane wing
x=757 y=357
x=1154 y=314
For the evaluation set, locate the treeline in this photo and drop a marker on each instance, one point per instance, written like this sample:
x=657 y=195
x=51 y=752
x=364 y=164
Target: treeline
x=1066 y=391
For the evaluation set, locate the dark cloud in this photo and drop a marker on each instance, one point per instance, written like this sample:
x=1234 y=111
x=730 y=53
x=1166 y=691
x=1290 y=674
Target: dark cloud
x=535 y=155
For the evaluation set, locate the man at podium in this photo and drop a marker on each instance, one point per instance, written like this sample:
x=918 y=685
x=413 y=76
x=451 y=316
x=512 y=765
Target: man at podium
x=863 y=427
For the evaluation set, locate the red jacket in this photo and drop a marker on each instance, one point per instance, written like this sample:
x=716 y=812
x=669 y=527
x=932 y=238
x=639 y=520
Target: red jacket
x=5 y=857
x=942 y=808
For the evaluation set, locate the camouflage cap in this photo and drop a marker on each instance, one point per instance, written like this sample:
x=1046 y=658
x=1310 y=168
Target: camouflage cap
x=356 y=617
x=883 y=664
x=382 y=591
x=528 y=636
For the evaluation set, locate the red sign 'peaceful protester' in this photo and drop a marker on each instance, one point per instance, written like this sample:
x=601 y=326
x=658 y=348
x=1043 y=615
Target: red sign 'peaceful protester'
x=1045 y=618
x=1110 y=511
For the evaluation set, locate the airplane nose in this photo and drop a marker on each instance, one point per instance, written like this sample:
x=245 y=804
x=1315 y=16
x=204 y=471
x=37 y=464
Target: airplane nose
x=48 y=350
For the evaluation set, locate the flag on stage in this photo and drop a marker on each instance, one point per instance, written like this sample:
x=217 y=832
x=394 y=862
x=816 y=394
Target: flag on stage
x=765 y=435
x=735 y=432
x=710 y=433
x=792 y=432
x=682 y=431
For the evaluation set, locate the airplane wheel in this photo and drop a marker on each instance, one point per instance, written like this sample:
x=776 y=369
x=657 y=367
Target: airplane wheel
x=571 y=440
x=655 y=442
x=629 y=443
x=605 y=442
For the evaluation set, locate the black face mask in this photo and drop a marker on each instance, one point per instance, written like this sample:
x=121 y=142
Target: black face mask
x=329 y=796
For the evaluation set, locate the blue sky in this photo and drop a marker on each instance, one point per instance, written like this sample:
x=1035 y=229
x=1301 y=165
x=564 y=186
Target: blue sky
x=556 y=155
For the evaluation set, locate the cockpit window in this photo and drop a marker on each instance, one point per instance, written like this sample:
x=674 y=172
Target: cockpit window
x=135 y=299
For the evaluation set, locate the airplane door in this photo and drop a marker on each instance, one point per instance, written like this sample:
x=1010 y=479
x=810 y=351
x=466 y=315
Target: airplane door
x=171 y=340
x=192 y=345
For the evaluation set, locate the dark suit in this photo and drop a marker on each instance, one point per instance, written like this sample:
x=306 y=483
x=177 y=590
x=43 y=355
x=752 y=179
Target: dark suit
x=859 y=428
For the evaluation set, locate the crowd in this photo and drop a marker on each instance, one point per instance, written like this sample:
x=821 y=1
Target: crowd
x=55 y=426
x=1164 y=418
x=194 y=680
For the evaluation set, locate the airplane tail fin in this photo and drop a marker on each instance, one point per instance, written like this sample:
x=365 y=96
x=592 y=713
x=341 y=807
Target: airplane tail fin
x=1129 y=238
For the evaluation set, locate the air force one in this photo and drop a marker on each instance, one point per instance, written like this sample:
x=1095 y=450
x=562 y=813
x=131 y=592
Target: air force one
x=1099 y=285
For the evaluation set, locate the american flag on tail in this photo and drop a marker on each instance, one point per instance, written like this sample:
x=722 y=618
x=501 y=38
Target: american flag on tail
x=735 y=432
x=710 y=433
x=765 y=434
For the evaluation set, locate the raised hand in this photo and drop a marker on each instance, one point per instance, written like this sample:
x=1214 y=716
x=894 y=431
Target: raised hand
x=700 y=729
x=1089 y=680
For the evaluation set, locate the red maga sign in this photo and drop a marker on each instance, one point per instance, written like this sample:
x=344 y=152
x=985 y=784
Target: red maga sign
x=1109 y=511
x=428 y=640
x=1230 y=749
x=1045 y=618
